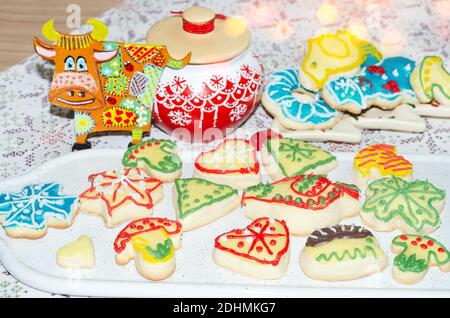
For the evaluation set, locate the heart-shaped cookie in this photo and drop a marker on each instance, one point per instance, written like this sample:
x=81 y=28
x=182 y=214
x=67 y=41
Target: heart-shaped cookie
x=260 y=250
x=233 y=162
x=77 y=254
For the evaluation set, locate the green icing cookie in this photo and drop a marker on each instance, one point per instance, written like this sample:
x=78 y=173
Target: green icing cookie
x=194 y=194
x=157 y=154
x=411 y=201
x=295 y=157
x=418 y=252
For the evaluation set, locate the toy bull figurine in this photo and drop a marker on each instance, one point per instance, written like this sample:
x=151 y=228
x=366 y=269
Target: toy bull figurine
x=109 y=85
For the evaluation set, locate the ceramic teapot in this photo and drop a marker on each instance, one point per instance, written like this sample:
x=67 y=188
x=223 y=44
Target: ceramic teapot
x=220 y=87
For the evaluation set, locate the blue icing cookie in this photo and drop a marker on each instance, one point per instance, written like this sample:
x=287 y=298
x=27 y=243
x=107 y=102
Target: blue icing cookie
x=31 y=208
x=279 y=96
x=385 y=84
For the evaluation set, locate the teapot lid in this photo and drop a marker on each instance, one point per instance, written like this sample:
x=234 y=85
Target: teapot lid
x=210 y=37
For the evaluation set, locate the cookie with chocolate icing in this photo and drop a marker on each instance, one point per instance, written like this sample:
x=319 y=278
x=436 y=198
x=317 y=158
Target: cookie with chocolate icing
x=342 y=252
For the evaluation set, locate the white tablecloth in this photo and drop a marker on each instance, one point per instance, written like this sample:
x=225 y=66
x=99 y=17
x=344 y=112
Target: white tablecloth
x=33 y=132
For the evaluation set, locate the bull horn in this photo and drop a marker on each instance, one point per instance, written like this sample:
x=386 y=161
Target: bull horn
x=48 y=30
x=100 y=29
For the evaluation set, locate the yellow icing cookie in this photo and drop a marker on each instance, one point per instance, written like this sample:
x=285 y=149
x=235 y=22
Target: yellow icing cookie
x=333 y=54
x=342 y=252
x=431 y=81
x=77 y=254
x=154 y=246
x=384 y=158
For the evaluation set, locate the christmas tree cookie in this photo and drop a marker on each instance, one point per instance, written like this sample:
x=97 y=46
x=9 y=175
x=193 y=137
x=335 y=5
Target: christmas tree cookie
x=416 y=254
x=305 y=202
x=378 y=161
x=233 y=162
x=119 y=196
x=394 y=203
x=286 y=157
x=158 y=158
x=261 y=250
x=151 y=243
x=199 y=202
x=342 y=252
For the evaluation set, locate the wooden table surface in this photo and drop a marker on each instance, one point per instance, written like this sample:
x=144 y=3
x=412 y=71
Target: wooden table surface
x=21 y=20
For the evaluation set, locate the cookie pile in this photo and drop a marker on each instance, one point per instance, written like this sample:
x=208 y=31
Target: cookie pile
x=342 y=78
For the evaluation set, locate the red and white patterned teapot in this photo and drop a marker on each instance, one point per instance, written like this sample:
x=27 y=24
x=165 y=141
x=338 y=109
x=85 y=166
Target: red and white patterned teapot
x=220 y=87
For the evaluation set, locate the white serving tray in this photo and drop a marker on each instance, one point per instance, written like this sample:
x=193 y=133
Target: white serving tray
x=33 y=262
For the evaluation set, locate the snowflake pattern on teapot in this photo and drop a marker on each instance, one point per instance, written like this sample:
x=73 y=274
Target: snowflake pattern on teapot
x=177 y=102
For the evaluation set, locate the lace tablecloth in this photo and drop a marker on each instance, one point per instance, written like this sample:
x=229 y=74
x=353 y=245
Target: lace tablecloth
x=33 y=132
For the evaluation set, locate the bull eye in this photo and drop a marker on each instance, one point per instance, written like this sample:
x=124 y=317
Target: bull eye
x=69 y=64
x=81 y=64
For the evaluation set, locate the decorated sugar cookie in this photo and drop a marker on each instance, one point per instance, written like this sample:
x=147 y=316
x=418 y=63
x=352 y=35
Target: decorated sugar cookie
x=431 y=81
x=119 y=196
x=261 y=250
x=342 y=252
x=305 y=202
x=295 y=108
x=153 y=264
x=394 y=203
x=154 y=254
x=158 y=158
x=77 y=254
x=199 y=202
x=233 y=162
x=28 y=214
x=378 y=161
x=385 y=84
x=331 y=55
x=416 y=254
x=287 y=157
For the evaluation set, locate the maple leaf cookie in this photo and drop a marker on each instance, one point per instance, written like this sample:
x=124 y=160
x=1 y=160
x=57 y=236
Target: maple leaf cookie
x=77 y=254
x=393 y=203
x=261 y=250
x=151 y=243
x=305 y=202
x=342 y=252
x=199 y=202
x=28 y=214
x=158 y=158
x=378 y=161
x=233 y=162
x=416 y=254
x=286 y=157
x=120 y=196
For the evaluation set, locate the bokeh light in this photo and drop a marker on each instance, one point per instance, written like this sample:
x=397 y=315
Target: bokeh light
x=234 y=26
x=358 y=29
x=443 y=8
x=282 y=31
x=327 y=14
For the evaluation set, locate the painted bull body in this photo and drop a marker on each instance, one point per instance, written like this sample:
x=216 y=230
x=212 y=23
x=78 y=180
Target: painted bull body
x=109 y=85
